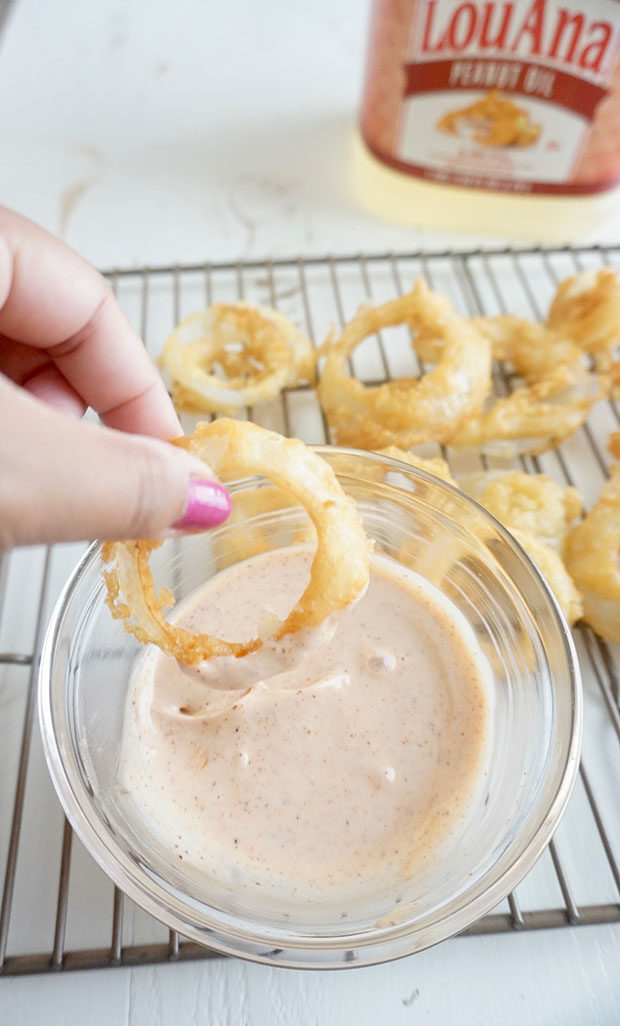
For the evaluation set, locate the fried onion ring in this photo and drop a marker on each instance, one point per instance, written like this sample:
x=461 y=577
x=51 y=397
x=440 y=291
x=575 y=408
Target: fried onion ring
x=539 y=513
x=550 y=565
x=406 y=411
x=530 y=502
x=556 y=397
x=591 y=554
x=257 y=349
x=555 y=400
x=586 y=308
x=340 y=567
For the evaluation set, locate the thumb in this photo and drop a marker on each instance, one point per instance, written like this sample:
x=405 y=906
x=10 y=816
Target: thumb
x=62 y=480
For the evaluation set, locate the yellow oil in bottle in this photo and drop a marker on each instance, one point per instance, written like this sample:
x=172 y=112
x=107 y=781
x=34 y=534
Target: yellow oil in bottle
x=416 y=203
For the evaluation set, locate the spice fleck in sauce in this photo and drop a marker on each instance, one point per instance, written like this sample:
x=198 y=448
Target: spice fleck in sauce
x=340 y=775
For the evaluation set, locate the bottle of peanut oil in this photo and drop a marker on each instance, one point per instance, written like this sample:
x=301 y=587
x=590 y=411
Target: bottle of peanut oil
x=498 y=116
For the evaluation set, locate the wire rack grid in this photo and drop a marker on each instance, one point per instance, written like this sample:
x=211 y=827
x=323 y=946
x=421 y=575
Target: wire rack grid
x=58 y=911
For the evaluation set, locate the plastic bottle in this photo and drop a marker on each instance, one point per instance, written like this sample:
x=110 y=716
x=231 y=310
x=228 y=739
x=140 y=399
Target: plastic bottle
x=497 y=117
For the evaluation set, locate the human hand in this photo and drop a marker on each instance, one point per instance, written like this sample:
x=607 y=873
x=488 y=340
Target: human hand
x=65 y=345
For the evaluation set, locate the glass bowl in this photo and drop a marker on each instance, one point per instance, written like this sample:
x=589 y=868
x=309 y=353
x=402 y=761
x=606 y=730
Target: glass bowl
x=533 y=752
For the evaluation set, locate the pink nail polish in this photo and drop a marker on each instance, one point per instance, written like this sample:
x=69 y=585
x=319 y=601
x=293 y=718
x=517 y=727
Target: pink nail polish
x=208 y=504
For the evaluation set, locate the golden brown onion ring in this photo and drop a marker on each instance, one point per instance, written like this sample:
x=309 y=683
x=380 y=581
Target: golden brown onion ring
x=406 y=411
x=539 y=513
x=586 y=308
x=555 y=400
x=530 y=502
x=591 y=555
x=257 y=349
x=556 y=397
x=340 y=567
x=531 y=349
x=550 y=565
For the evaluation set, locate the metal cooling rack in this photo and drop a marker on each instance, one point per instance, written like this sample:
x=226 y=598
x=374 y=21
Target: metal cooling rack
x=58 y=910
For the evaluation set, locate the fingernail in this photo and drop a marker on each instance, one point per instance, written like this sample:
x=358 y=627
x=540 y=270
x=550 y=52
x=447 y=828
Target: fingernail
x=208 y=504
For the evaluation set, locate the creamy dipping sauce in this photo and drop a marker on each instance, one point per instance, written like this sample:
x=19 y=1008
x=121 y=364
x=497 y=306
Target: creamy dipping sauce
x=339 y=776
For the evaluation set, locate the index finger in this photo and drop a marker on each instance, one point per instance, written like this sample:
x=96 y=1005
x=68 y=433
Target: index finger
x=53 y=300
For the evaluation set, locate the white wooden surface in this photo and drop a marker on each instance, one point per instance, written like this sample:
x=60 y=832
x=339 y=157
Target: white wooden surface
x=555 y=980
x=149 y=133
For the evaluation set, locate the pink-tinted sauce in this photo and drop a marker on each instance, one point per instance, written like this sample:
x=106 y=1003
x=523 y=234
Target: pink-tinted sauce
x=344 y=773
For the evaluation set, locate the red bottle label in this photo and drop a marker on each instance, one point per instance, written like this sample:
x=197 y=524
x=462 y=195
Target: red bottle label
x=520 y=96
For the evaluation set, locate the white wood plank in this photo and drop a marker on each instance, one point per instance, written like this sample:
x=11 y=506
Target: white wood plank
x=80 y=999
x=561 y=978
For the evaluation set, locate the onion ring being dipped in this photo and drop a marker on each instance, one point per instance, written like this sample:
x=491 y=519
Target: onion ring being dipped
x=406 y=411
x=591 y=554
x=258 y=351
x=340 y=567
